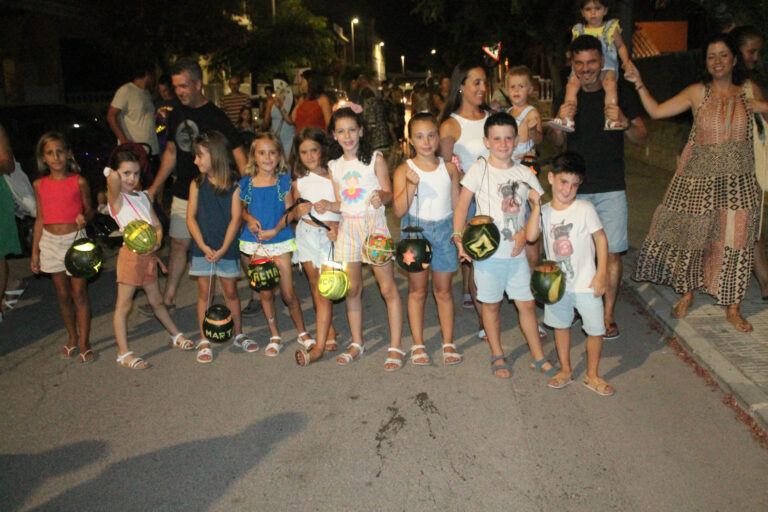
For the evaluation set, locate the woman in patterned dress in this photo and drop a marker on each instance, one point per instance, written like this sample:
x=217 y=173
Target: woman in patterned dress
x=703 y=235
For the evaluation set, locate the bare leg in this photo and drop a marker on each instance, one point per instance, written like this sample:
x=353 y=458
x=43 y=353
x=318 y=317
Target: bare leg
x=177 y=263
x=563 y=345
x=122 y=308
x=204 y=285
x=229 y=289
x=441 y=287
x=608 y=78
x=161 y=312
x=313 y=275
x=354 y=307
x=612 y=286
x=67 y=308
x=528 y=325
x=492 y=324
x=288 y=294
x=385 y=276
x=417 y=297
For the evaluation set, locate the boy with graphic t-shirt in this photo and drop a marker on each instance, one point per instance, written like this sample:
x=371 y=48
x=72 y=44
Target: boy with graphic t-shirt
x=572 y=234
x=500 y=188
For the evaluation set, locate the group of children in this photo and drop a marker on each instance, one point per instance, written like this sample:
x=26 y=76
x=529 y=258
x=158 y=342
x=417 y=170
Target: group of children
x=335 y=186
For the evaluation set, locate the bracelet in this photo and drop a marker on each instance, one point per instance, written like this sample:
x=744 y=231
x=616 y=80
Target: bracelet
x=456 y=234
x=639 y=87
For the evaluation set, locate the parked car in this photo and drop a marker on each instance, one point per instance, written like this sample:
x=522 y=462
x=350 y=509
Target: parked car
x=91 y=140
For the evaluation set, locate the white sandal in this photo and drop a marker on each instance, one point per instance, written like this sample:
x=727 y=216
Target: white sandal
x=15 y=296
x=420 y=359
x=203 y=351
x=305 y=343
x=247 y=344
x=564 y=125
x=276 y=347
x=134 y=364
x=392 y=360
x=448 y=355
x=180 y=342
x=345 y=358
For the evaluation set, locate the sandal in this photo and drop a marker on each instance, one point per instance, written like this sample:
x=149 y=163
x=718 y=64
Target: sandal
x=15 y=295
x=560 y=380
x=136 y=363
x=466 y=301
x=537 y=366
x=204 y=352
x=611 y=126
x=83 y=358
x=303 y=358
x=305 y=343
x=397 y=362
x=419 y=359
x=482 y=335
x=611 y=332
x=331 y=346
x=346 y=358
x=275 y=347
x=564 y=125
x=496 y=368
x=247 y=344
x=457 y=358
x=67 y=352
x=599 y=386
x=180 y=342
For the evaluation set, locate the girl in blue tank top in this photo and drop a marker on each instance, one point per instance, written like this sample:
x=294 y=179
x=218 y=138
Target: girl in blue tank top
x=213 y=219
x=265 y=194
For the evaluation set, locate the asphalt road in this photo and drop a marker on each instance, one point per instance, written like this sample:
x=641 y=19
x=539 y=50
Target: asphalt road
x=255 y=433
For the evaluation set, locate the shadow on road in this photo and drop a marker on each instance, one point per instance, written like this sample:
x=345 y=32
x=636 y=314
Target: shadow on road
x=190 y=476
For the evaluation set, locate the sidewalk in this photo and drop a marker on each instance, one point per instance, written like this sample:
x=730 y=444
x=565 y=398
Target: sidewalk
x=737 y=361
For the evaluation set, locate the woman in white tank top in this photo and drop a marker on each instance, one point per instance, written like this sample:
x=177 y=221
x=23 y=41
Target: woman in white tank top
x=461 y=134
x=426 y=188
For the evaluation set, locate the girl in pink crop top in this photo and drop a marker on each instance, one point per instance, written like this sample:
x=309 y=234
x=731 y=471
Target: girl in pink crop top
x=63 y=207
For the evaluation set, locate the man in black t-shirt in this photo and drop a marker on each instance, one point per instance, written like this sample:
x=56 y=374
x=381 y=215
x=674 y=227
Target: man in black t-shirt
x=603 y=152
x=195 y=116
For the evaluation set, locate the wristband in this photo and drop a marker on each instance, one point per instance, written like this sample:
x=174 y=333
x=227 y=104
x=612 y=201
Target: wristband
x=456 y=234
x=639 y=87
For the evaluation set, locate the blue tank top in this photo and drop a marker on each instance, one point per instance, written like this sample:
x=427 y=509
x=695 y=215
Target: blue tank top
x=214 y=212
x=267 y=204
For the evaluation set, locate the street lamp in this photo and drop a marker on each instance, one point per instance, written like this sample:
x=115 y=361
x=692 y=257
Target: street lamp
x=433 y=51
x=402 y=62
x=352 y=24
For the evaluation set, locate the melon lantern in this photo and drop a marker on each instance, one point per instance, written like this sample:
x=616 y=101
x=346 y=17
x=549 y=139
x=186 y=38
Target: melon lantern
x=84 y=258
x=481 y=238
x=547 y=282
x=140 y=236
x=414 y=252
x=218 y=324
x=333 y=283
x=263 y=274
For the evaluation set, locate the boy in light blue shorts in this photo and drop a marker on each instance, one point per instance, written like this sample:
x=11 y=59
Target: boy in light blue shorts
x=573 y=235
x=501 y=188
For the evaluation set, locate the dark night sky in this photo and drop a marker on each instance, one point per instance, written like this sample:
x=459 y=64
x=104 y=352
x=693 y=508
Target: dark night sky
x=402 y=32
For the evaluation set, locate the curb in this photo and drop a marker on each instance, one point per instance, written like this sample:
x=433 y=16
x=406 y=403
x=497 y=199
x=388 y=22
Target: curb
x=728 y=376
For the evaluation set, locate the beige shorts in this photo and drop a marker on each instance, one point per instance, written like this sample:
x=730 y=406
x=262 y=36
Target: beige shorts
x=53 y=248
x=178 y=227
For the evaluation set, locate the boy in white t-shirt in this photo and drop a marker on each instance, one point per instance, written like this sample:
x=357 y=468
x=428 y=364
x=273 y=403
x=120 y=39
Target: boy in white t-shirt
x=573 y=234
x=500 y=188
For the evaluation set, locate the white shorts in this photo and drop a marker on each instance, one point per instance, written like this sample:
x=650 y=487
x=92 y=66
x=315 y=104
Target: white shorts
x=178 y=227
x=312 y=244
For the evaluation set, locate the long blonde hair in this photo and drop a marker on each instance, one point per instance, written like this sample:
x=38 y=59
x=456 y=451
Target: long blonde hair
x=223 y=169
x=251 y=169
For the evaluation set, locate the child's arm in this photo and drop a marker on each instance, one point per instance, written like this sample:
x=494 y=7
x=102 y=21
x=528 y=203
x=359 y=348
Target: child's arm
x=233 y=229
x=621 y=48
x=384 y=194
x=459 y=220
x=85 y=196
x=453 y=172
x=533 y=226
x=114 y=197
x=533 y=123
x=334 y=231
x=405 y=183
x=34 y=259
x=601 y=276
x=192 y=225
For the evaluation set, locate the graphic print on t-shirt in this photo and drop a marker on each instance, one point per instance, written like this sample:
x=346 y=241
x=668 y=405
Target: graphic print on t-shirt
x=351 y=190
x=513 y=194
x=186 y=132
x=562 y=247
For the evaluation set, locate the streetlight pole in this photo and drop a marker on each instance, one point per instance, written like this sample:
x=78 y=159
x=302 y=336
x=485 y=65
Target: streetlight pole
x=352 y=24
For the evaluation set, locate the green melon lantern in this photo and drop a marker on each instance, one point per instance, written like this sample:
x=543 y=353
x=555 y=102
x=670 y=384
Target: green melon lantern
x=140 y=236
x=84 y=258
x=414 y=252
x=547 y=282
x=218 y=324
x=263 y=274
x=333 y=283
x=481 y=238
x=378 y=249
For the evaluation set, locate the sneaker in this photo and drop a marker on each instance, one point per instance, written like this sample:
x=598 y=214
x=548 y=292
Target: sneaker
x=251 y=309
